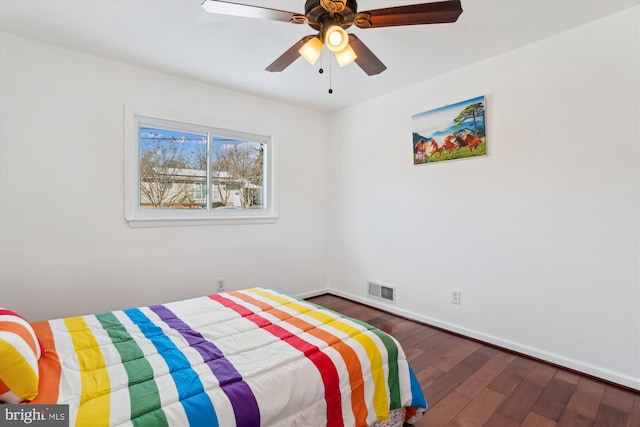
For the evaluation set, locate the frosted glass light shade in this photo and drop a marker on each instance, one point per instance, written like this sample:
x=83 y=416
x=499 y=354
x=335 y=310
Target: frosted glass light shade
x=311 y=50
x=336 y=38
x=346 y=56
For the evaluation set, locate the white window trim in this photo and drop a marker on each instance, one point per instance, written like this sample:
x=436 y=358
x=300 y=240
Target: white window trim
x=137 y=217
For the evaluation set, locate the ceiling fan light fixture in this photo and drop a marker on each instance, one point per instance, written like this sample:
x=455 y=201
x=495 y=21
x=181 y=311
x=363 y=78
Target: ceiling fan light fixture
x=311 y=50
x=346 y=56
x=336 y=38
x=331 y=18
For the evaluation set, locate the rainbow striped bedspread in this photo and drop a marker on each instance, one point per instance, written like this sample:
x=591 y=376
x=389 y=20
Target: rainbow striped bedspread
x=255 y=357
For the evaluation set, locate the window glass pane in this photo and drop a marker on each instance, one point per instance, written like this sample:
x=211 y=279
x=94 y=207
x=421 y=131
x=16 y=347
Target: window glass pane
x=237 y=173
x=173 y=169
x=200 y=192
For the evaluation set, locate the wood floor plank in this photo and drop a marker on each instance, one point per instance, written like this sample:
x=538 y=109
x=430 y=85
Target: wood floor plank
x=537 y=420
x=567 y=376
x=618 y=399
x=428 y=342
x=521 y=400
x=456 y=355
x=421 y=334
x=470 y=384
x=542 y=373
x=433 y=353
x=425 y=357
x=480 y=357
x=405 y=330
x=498 y=420
x=634 y=419
x=448 y=382
x=444 y=412
x=480 y=379
x=480 y=409
x=509 y=357
x=571 y=418
x=426 y=378
x=553 y=400
x=610 y=417
x=585 y=401
x=511 y=376
x=411 y=353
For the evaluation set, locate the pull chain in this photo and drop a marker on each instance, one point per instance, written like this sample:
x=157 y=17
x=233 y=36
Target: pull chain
x=330 y=75
x=321 y=71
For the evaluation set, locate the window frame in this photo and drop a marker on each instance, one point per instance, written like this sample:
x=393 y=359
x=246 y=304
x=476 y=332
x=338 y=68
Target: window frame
x=136 y=115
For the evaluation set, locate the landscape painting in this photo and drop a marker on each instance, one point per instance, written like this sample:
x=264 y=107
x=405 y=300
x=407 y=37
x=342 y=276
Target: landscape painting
x=455 y=131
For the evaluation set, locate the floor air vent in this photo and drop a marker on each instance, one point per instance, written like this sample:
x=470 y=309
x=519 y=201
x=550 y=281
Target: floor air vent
x=382 y=292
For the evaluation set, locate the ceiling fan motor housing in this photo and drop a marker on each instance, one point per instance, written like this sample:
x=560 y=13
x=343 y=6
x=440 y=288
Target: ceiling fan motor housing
x=330 y=12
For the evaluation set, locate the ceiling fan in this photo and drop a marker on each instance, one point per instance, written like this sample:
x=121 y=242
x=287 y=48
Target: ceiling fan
x=331 y=18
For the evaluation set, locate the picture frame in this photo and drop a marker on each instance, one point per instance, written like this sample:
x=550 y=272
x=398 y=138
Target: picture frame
x=454 y=131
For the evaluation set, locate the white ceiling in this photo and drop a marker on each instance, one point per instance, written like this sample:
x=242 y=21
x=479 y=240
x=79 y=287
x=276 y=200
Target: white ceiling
x=179 y=37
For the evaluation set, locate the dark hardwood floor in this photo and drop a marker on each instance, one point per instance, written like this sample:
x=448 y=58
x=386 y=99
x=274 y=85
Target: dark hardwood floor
x=468 y=383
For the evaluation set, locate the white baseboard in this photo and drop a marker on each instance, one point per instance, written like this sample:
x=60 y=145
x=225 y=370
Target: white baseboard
x=556 y=359
x=312 y=294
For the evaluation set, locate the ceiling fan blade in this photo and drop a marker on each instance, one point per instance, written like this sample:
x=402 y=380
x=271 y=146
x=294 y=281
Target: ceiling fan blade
x=366 y=59
x=414 y=14
x=258 y=12
x=289 y=56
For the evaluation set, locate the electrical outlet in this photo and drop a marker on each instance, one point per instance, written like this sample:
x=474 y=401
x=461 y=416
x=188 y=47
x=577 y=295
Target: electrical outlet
x=456 y=296
x=220 y=284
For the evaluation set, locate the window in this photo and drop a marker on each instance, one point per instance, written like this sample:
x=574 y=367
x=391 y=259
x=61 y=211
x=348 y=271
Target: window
x=182 y=170
x=200 y=191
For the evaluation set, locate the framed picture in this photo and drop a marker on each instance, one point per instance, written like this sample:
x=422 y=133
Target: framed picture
x=455 y=131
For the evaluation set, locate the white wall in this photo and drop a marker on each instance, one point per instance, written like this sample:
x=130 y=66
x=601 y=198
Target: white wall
x=65 y=248
x=541 y=235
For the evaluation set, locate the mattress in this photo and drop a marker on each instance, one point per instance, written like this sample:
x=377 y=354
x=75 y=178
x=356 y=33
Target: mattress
x=255 y=357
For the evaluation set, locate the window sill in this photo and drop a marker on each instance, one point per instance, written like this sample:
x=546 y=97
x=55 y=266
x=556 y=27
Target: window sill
x=190 y=221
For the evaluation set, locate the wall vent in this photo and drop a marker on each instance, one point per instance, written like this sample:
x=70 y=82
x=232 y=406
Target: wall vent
x=382 y=292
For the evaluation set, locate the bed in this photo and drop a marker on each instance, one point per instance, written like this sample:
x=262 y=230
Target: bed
x=255 y=357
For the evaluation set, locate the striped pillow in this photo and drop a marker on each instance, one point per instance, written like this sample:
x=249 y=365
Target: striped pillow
x=19 y=352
